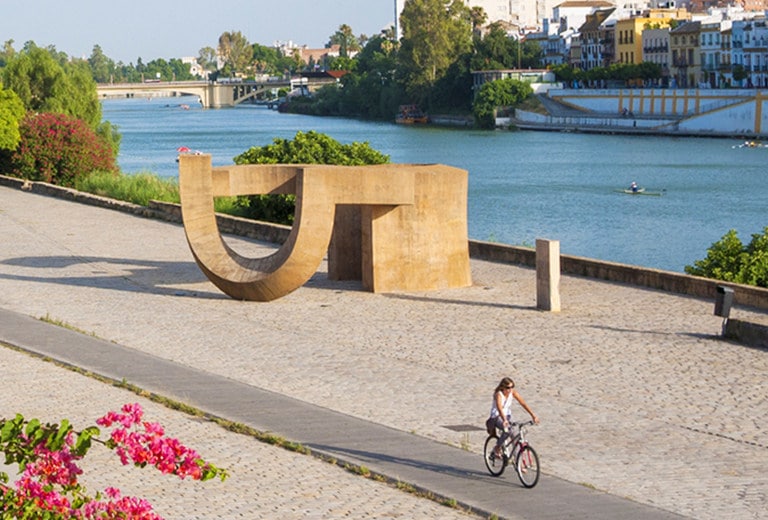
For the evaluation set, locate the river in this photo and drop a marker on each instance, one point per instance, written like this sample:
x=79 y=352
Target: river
x=522 y=185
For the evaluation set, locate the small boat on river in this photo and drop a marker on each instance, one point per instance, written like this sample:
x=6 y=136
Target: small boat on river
x=750 y=144
x=640 y=191
x=410 y=114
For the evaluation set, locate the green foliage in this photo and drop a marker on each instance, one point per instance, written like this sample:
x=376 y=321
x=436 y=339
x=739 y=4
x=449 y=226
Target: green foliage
x=369 y=91
x=140 y=188
x=11 y=114
x=431 y=66
x=236 y=52
x=19 y=438
x=498 y=51
x=499 y=93
x=46 y=82
x=137 y=188
x=346 y=40
x=102 y=68
x=110 y=135
x=269 y=60
x=616 y=71
x=453 y=92
x=58 y=149
x=312 y=148
x=739 y=72
x=731 y=261
x=173 y=70
x=435 y=33
x=306 y=148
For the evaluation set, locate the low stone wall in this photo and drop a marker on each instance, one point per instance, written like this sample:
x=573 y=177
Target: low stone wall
x=679 y=283
x=746 y=333
x=669 y=281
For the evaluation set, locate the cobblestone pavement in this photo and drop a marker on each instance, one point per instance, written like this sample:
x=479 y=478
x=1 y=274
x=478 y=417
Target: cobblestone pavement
x=637 y=394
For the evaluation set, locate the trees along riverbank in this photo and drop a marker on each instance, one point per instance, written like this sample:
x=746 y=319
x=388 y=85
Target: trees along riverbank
x=58 y=135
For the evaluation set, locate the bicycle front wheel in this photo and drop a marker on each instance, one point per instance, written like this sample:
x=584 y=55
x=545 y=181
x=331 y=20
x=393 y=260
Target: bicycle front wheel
x=494 y=463
x=527 y=466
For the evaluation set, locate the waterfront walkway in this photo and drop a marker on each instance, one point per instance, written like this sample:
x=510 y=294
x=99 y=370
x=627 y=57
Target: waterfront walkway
x=645 y=412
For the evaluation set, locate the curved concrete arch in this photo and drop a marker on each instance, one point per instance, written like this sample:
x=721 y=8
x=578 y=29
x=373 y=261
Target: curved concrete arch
x=405 y=241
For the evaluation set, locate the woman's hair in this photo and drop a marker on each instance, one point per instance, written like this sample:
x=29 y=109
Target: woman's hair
x=507 y=381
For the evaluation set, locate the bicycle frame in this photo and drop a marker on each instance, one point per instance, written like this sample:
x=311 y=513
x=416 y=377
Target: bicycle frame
x=515 y=443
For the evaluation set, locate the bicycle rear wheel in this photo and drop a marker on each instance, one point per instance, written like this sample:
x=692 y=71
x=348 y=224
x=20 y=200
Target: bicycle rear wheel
x=527 y=466
x=494 y=464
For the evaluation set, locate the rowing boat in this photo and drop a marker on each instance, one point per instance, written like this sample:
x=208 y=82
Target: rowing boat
x=640 y=191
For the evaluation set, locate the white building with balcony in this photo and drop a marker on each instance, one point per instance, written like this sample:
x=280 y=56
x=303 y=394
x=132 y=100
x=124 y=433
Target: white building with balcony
x=750 y=51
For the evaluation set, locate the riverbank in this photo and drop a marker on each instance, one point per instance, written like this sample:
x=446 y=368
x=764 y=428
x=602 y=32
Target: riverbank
x=679 y=112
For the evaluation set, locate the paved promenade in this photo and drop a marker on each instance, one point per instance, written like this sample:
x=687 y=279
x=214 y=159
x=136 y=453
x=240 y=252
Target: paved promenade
x=645 y=412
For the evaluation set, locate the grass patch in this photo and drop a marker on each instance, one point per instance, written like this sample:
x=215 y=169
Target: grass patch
x=59 y=323
x=140 y=188
x=465 y=444
x=450 y=502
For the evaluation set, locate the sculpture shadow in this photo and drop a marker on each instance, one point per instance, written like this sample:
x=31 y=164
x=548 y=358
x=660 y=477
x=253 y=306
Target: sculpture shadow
x=149 y=276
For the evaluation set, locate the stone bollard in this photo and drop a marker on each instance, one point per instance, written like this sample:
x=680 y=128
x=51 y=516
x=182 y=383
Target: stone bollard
x=548 y=275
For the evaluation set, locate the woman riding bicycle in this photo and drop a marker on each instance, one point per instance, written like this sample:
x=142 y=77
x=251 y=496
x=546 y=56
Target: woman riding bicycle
x=501 y=410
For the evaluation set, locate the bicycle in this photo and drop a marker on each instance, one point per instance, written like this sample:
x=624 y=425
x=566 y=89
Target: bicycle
x=515 y=448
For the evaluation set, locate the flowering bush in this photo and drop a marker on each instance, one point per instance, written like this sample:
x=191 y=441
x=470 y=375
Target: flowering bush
x=57 y=148
x=47 y=456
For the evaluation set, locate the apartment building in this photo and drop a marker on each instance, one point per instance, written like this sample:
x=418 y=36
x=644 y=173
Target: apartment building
x=686 y=55
x=750 y=51
x=656 y=50
x=629 y=32
x=596 y=37
x=715 y=53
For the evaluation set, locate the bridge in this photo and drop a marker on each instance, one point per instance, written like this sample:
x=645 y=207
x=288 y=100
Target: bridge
x=211 y=94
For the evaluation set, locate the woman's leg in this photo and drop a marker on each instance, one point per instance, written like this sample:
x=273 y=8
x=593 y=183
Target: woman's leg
x=504 y=434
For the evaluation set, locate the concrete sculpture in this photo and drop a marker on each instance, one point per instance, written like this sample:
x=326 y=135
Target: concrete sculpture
x=396 y=227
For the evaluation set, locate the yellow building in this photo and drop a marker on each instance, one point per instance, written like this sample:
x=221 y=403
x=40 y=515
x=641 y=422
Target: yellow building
x=629 y=32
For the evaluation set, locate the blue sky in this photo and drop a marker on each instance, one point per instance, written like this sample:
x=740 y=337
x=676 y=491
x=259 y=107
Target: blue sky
x=152 y=29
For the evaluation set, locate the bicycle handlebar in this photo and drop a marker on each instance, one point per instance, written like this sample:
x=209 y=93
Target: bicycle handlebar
x=524 y=423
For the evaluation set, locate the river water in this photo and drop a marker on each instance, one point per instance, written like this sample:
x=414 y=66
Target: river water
x=522 y=185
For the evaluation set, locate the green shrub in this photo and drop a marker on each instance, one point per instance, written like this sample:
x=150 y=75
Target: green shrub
x=57 y=148
x=312 y=148
x=306 y=148
x=494 y=94
x=731 y=261
x=11 y=113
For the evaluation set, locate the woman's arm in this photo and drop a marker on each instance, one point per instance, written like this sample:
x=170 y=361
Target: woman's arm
x=525 y=406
